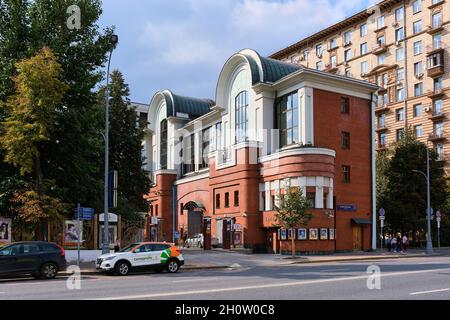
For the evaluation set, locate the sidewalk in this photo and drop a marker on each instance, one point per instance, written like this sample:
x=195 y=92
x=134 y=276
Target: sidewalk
x=220 y=259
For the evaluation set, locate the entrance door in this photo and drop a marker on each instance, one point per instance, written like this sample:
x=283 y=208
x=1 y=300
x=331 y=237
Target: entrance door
x=219 y=231
x=195 y=223
x=357 y=238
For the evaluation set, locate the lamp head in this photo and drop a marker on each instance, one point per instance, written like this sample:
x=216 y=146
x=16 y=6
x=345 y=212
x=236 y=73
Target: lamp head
x=114 y=39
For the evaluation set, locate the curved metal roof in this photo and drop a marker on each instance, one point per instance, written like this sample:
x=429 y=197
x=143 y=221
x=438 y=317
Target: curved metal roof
x=193 y=107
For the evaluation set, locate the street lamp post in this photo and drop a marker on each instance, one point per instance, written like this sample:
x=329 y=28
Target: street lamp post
x=427 y=178
x=105 y=247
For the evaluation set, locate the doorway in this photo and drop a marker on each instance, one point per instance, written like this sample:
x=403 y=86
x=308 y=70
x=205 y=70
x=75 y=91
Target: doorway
x=357 y=238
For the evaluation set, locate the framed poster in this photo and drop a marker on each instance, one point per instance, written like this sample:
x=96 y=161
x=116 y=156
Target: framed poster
x=323 y=234
x=5 y=230
x=302 y=234
x=332 y=234
x=313 y=234
x=112 y=234
x=291 y=234
x=71 y=232
x=283 y=234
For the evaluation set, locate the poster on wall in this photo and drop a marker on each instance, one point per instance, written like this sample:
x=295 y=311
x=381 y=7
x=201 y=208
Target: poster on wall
x=302 y=234
x=5 y=230
x=323 y=234
x=283 y=234
x=112 y=234
x=71 y=232
x=291 y=234
x=332 y=234
x=313 y=234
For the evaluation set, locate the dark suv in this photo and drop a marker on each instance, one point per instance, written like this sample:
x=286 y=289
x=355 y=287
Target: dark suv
x=42 y=260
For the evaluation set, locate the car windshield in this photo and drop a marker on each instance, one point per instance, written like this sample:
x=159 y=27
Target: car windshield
x=130 y=247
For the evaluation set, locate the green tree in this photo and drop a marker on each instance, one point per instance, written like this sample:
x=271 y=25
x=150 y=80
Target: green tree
x=126 y=136
x=31 y=110
x=73 y=153
x=404 y=196
x=293 y=211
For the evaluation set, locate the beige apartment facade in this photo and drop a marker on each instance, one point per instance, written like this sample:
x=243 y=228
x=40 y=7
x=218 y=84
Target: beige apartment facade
x=403 y=46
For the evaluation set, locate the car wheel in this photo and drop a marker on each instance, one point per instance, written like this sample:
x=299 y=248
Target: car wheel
x=122 y=268
x=48 y=271
x=173 y=266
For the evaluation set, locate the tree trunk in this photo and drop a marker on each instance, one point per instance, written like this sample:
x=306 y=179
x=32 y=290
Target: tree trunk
x=42 y=226
x=293 y=243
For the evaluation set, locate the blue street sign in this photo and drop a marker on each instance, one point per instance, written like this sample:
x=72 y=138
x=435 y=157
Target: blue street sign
x=347 y=207
x=86 y=214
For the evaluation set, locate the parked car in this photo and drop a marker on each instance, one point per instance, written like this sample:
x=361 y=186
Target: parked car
x=142 y=256
x=43 y=260
x=195 y=242
x=215 y=242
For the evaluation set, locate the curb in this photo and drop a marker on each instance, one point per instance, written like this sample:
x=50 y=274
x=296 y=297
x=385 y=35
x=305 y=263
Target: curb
x=368 y=258
x=87 y=272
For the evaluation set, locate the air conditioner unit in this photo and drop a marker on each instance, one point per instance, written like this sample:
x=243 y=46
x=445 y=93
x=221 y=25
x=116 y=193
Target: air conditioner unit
x=397 y=43
x=399 y=83
x=419 y=76
x=395 y=24
x=302 y=58
x=427 y=109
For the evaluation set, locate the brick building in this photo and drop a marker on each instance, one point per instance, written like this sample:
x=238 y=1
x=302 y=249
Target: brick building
x=403 y=47
x=218 y=166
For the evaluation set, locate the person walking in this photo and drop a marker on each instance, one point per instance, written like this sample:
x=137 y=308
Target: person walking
x=393 y=244
x=388 y=243
x=405 y=243
x=399 y=243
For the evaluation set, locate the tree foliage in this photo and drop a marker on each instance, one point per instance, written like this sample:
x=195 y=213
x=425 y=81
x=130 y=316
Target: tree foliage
x=126 y=136
x=402 y=192
x=293 y=211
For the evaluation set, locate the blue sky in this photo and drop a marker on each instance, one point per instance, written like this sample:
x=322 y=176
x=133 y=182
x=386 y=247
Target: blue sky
x=182 y=44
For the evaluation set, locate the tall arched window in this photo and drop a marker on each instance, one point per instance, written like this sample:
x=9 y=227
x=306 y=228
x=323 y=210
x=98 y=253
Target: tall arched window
x=163 y=146
x=241 y=107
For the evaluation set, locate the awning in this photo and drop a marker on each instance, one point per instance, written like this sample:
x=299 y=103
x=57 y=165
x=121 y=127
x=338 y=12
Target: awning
x=362 y=222
x=193 y=205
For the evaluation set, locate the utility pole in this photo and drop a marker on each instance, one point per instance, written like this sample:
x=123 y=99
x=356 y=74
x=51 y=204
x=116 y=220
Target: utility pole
x=105 y=247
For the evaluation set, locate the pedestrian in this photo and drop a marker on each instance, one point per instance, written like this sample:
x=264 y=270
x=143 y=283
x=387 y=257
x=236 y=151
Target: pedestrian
x=388 y=242
x=405 y=242
x=399 y=243
x=393 y=244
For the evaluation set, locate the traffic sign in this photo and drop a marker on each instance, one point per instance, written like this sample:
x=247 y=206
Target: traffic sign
x=438 y=214
x=382 y=212
x=86 y=214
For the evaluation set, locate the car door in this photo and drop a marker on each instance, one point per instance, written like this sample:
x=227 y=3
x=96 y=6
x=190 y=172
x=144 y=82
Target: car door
x=7 y=260
x=29 y=258
x=142 y=256
x=160 y=254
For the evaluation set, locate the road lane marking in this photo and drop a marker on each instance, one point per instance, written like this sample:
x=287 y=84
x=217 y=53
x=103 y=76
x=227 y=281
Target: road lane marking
x=267 y=286
x=429 y=292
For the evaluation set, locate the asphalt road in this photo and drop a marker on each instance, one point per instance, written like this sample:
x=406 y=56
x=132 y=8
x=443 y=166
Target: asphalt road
x=413 y=278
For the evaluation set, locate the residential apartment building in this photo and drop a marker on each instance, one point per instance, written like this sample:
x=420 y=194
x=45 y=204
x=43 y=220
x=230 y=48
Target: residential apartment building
x=220 y=166
x=402 y=46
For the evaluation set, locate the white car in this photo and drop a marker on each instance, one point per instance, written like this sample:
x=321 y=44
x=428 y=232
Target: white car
x=139 y=256
x=195 y=242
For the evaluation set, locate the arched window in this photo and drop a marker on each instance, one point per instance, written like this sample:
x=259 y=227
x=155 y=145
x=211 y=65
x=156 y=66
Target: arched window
x=241 y=107
x=163 y=146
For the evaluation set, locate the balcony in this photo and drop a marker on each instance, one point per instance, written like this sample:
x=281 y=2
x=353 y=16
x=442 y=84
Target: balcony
x=436 y=93
x=382 y=147
x=436 y=71
x=379 y=49
x=334 y=48
x=434 y=29
x=437 y=136
x=437 y=4
x=382 y=108
x=381 y=127
x=329 y=67
x=441 y=157
x=434 y=49
x=436 y=116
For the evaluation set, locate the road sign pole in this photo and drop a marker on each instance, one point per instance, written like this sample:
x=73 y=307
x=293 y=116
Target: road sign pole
x=78 y=234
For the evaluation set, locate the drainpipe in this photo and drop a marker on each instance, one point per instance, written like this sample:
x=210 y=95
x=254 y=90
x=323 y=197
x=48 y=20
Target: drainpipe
x=373 y=174
x=405 y=66
x=174 y=210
